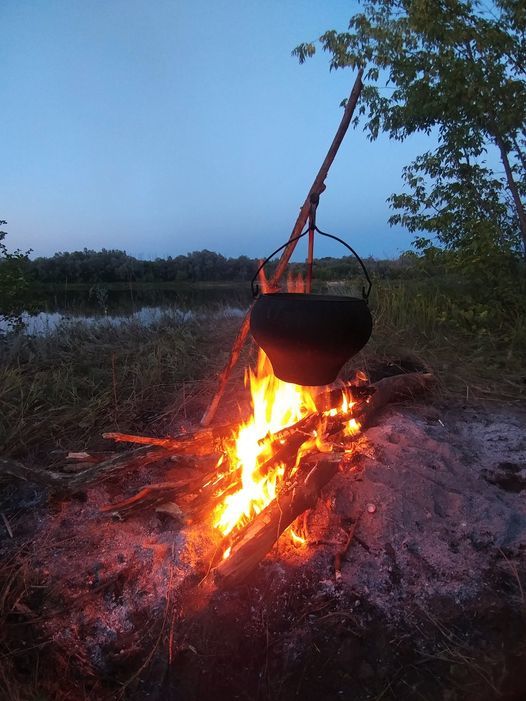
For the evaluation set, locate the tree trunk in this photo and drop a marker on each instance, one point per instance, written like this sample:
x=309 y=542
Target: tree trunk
x=520 y=154
x=512 y=186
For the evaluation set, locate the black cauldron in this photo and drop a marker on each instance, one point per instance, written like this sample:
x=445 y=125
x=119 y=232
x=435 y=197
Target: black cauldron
x=309 y=337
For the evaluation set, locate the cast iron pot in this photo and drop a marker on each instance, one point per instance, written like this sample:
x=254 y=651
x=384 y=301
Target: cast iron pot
x=307 y=337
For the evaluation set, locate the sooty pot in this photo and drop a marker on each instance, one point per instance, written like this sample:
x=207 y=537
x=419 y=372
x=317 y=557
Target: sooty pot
x=307 y=337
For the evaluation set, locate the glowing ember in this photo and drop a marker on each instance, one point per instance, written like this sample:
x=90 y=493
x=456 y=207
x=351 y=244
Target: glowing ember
x=276 y=405
x=299 y=540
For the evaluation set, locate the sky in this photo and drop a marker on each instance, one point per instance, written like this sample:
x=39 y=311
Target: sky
x=167 y=127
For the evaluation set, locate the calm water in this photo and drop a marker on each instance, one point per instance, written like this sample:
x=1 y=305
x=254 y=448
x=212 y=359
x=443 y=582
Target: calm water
x=146 y=305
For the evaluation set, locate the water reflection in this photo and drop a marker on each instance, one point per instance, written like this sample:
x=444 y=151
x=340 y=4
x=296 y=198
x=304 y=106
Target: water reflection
x=145 y=306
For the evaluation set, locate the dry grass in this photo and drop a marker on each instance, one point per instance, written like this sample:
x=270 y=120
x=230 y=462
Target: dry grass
x=64 y=389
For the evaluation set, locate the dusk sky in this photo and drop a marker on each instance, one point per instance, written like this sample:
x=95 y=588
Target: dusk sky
x=167 y=127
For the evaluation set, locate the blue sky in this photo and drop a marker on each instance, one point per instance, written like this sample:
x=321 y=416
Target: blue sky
x=166 y=127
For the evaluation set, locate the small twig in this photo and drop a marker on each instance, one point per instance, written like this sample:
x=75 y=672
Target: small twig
x=6 y=524
x=515 y=572
x=89 y=457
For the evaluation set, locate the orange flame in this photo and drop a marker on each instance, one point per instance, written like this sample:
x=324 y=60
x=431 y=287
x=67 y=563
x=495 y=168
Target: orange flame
x=275 y=406
x=296 y=538
x=295 y=283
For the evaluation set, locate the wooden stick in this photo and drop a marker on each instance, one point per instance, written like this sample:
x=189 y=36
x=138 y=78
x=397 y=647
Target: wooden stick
x=84 y=457
x=318 y=186
x=200 y=442
x=62 y=482
x=151 y=495
x=398 y=388
x=225 y=372
x=340 y=555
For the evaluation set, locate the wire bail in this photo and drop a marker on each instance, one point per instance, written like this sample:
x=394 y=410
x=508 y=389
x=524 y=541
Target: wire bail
x=314 y=201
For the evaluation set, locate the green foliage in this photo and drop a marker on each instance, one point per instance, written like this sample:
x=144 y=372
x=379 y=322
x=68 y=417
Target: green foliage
x=99 y=268
x=453 y=69
x=14 y=284
x=107 y=266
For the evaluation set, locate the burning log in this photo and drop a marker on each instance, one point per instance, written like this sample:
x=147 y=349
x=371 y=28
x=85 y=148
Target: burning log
x=201 y=442
x=261 y=534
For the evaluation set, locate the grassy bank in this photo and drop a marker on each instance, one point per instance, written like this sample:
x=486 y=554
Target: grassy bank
x=64 y=389
x=477 y=351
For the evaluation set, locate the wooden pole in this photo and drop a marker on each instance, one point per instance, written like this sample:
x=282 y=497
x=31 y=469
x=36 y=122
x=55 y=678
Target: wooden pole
x=318 y=186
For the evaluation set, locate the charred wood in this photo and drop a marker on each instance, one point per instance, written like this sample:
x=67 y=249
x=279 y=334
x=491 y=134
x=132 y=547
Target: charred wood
x=261 y=534
x=64 y=482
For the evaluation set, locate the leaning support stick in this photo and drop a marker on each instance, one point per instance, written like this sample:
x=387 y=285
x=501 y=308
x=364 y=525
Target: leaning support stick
x=318 y=186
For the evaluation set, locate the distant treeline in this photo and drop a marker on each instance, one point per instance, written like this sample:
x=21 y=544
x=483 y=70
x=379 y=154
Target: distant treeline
x=109 y=266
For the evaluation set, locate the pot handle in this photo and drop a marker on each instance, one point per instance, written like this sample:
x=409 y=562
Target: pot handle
x=365 y=292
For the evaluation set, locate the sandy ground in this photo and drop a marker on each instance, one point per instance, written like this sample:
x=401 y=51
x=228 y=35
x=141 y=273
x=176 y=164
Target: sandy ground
x=430 y=603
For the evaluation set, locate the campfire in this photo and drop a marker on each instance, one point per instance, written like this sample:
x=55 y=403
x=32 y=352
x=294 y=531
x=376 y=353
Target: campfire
x=268 y=469
x=245 y=482
x=257 y=463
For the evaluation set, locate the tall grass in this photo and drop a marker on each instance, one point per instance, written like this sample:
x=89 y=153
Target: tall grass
x=476 y=350
x=64 y=389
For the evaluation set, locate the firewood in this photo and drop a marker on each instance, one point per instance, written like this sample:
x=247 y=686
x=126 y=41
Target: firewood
x=324 y=401
x=162 y=492
x=152 y=495
x=64 y=482
x=201 y=442
x=208 y=490
x=261 y=534
x=398 y=388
